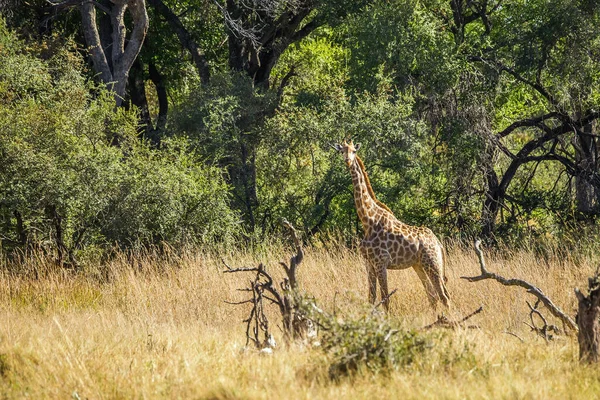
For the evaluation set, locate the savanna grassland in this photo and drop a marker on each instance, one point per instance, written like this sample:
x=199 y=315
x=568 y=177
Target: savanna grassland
x=203 y=124
x=153 y=326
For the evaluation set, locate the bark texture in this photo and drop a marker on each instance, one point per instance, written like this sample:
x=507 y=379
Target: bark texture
x=114 y=62
x=588 y=321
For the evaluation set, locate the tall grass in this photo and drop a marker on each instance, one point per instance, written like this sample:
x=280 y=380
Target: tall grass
x=155 y=325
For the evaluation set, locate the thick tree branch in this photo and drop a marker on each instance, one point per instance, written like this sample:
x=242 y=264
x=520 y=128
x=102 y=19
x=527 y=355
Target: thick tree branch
x=117 y=20
x=114 y=74
x=92 y=39
x=530 y=122
x=535 y=85
x=305 y=30
x=137 y=9
x=185 y=38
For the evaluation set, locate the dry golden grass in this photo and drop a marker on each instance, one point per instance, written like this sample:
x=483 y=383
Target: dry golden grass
x=160 y=329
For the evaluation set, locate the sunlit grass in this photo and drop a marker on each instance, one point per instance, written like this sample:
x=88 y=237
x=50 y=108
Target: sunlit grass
x=159 y=328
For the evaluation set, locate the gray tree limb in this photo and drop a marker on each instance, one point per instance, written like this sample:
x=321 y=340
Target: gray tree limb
x=185 y=38
x=92 y=39
x=123 y=52
x=537 y=292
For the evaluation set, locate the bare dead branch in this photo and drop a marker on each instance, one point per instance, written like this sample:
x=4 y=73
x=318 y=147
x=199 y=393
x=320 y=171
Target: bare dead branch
x=295 y=323
x=515 y=335
x=386 y=298
x=537 y=292
x=235 y=303
x=545 y=330
x=443 y=321
x=588 y=321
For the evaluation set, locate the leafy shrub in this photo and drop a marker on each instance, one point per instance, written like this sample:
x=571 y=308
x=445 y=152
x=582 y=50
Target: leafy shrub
x=371 y=342
x=301 y=178
x=366 y=340
x=220 y=120
x=75 y=174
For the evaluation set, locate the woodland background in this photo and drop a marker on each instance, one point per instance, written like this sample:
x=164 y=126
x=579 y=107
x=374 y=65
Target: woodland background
x=125 y=124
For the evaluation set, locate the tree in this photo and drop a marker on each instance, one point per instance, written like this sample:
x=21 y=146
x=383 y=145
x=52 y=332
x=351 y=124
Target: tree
x=555 y=73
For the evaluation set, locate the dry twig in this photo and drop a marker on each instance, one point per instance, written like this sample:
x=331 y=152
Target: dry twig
x=386 y=298
x=443 y=321
x=545 y=330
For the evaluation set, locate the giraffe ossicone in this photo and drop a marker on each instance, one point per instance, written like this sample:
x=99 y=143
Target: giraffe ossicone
x=389 y=243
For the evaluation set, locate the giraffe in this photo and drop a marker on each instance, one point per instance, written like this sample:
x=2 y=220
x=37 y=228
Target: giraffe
x=391 y=244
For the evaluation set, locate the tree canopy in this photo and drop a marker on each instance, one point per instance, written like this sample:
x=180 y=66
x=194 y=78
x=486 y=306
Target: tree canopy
x=147 y=121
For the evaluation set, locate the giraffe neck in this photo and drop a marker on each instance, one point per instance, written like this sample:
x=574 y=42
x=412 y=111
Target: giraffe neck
x=369 y=209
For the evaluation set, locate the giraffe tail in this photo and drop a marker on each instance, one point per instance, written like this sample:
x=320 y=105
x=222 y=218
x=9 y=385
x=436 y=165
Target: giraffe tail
x=444 y=263
x=445 y=278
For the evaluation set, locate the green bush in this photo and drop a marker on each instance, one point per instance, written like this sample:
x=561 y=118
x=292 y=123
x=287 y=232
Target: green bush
x=371 y=342
x=300 y=177
x=365 y=340
x=75 y=174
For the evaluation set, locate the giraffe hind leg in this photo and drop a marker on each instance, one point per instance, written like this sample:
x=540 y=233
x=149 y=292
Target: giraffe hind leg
x=428 y=285
x=432 y=263
x=437 y=279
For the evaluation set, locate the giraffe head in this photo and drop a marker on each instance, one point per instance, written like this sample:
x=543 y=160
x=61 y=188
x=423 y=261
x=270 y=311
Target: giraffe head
x=348 y=150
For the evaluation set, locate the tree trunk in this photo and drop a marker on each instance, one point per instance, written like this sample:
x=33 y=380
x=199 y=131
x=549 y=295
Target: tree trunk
x=61 y=248
x=491 y=203
x=137 y=93
x=163 y=100
x=586 y=154
x=21 y=231
x=113 y=62
x=247 y=176
x=588 y=321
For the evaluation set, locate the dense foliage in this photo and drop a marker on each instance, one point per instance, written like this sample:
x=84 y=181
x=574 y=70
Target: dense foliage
x=476 y=118
x=75 y=174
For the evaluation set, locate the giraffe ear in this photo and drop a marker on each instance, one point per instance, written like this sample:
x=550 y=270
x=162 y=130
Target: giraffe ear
x=357 y=146
x=337 y=146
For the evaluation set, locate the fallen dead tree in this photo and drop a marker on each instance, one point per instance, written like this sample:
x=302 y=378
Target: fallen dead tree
x=534 y=290
x=285 y=298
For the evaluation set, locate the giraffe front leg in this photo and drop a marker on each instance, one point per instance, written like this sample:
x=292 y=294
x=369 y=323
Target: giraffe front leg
x=372 y=282
x=383 y=287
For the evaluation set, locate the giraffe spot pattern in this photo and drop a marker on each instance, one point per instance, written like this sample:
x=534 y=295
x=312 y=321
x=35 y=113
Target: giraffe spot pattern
x=391 y=244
